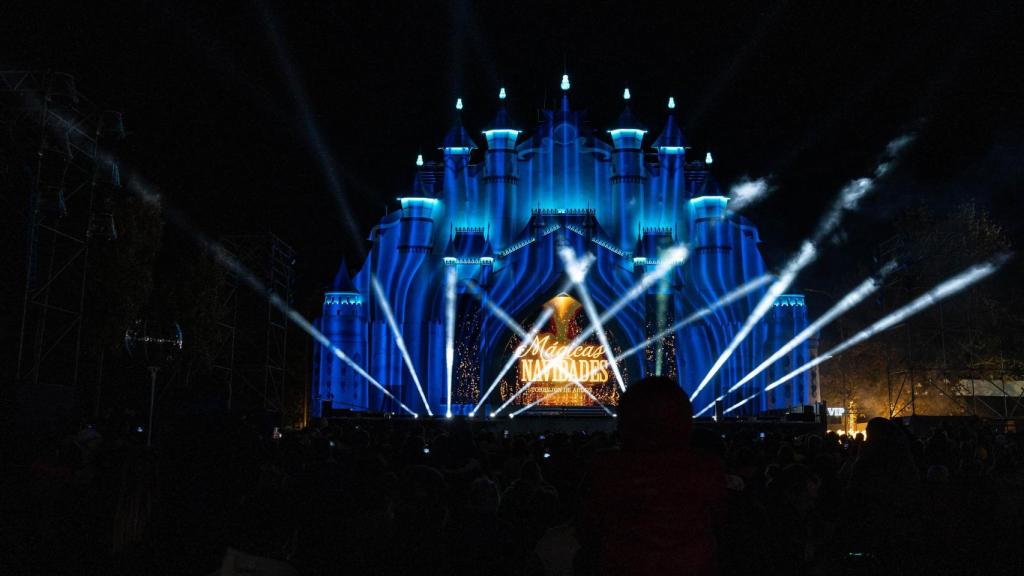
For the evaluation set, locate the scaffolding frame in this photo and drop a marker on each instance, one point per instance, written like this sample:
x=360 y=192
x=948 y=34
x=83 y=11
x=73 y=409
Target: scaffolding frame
x=52 y=132
x=931 y=330
x=253 y=361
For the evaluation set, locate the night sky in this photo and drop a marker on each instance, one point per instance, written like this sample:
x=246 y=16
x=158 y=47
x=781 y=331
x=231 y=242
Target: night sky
x=235 y=108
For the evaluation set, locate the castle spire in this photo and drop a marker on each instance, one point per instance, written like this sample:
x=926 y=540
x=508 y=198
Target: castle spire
x=671 y=139
x=457 y=140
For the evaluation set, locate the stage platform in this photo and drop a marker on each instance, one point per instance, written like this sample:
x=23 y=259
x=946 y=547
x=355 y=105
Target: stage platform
x=569 y=421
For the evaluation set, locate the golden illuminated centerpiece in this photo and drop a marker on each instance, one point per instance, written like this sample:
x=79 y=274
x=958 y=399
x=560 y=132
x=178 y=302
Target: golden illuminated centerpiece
x=552 y=367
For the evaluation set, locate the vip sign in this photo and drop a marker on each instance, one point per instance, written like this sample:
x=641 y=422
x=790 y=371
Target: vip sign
x=552 y=365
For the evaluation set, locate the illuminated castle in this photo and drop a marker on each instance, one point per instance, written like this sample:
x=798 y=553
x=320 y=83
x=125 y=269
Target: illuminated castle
x=495 y=218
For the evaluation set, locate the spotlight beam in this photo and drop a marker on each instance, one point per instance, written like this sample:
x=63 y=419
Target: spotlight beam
x=729 y=298
x=672 y=257
x=865 y=289
x=539 y=400
x=223 y=257
x=311 y=130
x=515 y=327
x=382 y=301
x=806 y=255
x=853 y=298
x=594 y=398
x=848 y=198
x=542 y=321
x=942 y=291
x=666 y=263
x=573 y=265
x=451 y=279
x=149 y=195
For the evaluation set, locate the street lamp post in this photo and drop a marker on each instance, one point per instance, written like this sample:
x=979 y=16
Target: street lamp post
x=156 y=345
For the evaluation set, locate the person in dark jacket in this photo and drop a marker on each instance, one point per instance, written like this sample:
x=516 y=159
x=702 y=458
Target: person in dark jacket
x=653 y=506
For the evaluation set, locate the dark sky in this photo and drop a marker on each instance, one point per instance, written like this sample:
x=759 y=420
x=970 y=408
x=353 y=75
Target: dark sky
x=235 y=108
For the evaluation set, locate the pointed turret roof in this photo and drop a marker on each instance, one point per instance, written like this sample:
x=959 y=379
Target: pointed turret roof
x=342 y=281
x=627 y=121
x=502 y=121
x=671 y=135
x=457 y=137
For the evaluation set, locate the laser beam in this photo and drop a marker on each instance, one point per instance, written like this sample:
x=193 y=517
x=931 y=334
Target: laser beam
x=940 y=292
x=382 y=301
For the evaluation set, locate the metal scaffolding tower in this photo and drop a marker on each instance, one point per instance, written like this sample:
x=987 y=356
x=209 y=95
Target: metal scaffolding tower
x=59 y=181
x=252 y=364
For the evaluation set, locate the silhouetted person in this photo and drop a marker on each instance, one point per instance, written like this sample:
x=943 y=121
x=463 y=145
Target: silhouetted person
x=652 y=507
x=880 y=499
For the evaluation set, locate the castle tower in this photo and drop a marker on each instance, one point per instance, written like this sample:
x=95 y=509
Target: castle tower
x=787 y=318
x=416 y=230
x=668 y=196
x=458 y=192
x=501 y=180
x=344 y=324
x=628 y=173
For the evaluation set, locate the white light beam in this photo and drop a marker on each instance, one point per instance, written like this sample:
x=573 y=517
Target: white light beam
x=729 y=298
x=853 y=298
x=451 y=279
x=382 y=301
x=573 y=265
x=542 y=321
x=849 y=197
x=672 y=257
x=944 y=290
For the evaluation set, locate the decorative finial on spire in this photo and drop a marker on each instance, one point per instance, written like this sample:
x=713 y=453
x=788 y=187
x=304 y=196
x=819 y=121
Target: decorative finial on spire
x=708 y=159
x=458 y=103
x=501 y=94
x=625 y=94
x=671 y=103
x=419 y=159
x=565 y=82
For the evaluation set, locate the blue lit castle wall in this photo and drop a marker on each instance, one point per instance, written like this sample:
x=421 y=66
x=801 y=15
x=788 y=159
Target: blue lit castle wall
x=495 y=218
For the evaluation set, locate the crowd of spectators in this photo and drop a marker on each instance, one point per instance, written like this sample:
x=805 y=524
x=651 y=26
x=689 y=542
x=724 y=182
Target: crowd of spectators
x=400 y=496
